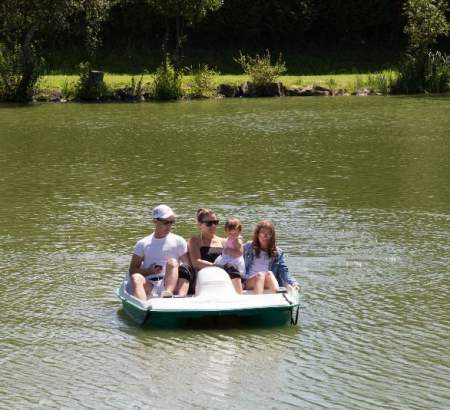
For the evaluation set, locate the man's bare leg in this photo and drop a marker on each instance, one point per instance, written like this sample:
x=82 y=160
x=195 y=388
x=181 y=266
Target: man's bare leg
x=171 y=276
x=182 y=287
x=237 y=283
x=140 y=287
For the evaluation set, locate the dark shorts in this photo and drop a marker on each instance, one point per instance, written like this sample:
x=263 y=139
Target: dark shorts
x=233 y=273
x=188 y=273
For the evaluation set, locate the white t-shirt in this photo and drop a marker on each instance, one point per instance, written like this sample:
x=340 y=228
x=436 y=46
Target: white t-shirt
x=159 y=250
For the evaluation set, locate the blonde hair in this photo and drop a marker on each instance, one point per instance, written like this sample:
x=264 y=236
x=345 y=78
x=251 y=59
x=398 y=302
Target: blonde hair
x=233 y=223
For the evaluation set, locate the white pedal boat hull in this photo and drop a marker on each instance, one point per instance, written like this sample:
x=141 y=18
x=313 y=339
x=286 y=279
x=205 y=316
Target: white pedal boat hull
x=215 y=301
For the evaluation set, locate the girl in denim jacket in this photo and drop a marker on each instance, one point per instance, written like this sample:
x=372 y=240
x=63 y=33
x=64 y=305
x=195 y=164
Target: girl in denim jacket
x=265 y=267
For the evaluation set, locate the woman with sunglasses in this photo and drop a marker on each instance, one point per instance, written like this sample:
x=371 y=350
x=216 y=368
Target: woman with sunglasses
x=265 y=267
x=203 y=250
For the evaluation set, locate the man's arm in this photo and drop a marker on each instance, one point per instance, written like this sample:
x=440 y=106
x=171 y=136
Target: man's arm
x=185 y=259
x=136 y=266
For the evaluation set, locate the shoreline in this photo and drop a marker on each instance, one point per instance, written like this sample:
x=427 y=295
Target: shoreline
x=119 y=87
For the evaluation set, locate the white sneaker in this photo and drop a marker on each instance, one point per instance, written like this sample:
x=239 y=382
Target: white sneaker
x=166 y=294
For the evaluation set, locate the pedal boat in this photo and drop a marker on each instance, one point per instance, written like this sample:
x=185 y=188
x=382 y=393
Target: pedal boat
x=215 y=303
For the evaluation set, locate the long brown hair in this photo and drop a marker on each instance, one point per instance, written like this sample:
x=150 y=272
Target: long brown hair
x=272 y=250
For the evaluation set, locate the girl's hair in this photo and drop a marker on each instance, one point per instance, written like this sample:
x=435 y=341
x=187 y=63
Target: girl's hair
x=233 y=223
x=272 y=249
x=202 y=212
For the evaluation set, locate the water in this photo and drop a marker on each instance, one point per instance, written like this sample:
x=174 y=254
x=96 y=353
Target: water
x=358 y=189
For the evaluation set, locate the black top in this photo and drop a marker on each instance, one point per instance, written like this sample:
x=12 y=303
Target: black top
x=210 y=253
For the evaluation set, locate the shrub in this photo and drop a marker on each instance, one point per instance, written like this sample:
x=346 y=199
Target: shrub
x=424 y=70
x=437 y=72
x=86 y=89
x=260 y=68
x=167 y=82
x=137 y=86
x=382 y=81
x=12 y=73
x=425 y=22
x=428 y=74
x=359 y=83
x=133 y=92
x=331 y=83
x=68 y=89
x=202 y=84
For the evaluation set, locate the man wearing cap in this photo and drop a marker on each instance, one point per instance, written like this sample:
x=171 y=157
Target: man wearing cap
x=154 y=264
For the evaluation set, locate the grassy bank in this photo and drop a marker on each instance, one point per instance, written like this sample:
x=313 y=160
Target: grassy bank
x=350 y=82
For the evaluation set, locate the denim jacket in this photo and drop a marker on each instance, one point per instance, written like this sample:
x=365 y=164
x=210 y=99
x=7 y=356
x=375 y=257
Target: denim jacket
x=277 y=265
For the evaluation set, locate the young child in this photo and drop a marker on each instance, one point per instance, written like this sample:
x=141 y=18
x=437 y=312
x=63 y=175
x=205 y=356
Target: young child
x=233 y=250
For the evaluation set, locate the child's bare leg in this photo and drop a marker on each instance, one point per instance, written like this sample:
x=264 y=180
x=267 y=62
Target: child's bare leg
x=270 y=282
x=256 y=283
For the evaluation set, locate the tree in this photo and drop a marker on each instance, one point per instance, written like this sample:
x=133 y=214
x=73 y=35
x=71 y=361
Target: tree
x=423 y=69
x=26 y=24
x=182 y=13
x=425 y=23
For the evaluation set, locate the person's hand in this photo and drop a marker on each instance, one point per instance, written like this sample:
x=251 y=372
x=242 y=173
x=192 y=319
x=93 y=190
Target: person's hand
x=157 y=269
x=292 y=288
x=153 y=269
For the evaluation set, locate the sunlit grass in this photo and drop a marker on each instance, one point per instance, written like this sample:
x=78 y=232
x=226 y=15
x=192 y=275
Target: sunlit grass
x=348 y=82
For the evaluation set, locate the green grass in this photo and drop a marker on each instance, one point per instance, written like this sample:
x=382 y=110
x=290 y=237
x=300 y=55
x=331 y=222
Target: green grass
x=349 y=82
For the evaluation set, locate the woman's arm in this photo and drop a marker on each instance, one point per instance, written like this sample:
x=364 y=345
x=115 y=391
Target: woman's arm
x=282 y=272
x=248 y=257
x=195 y=255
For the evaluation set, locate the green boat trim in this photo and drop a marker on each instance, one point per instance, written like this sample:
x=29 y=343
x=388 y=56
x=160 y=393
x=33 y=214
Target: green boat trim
x=215 y=301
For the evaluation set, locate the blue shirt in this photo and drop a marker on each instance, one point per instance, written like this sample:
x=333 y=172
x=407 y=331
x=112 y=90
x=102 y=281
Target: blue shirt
x=277 y=265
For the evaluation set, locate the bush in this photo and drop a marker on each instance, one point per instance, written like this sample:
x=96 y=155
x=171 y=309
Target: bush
x=437 y=72
x=12 y=72
x=331 y=83
x=381 y=82
x=137 y=87
x=86 y=88
x=68 y=90
x=428 y=74
x=167 y=82
x=260 y=68
x=359 y=83
x=425 y=22
x=133 y=92
x=202 y=84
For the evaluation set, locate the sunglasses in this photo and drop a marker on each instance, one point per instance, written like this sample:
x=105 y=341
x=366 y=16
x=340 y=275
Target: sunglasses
x=211 y=223
x=165 y=221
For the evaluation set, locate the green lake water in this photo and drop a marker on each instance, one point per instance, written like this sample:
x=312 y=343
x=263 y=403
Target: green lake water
x=359 y=190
